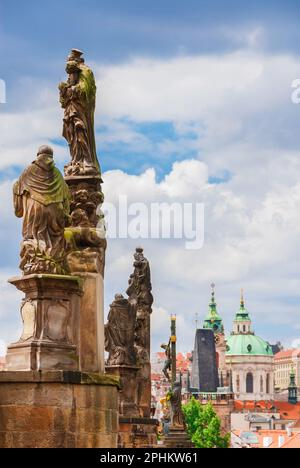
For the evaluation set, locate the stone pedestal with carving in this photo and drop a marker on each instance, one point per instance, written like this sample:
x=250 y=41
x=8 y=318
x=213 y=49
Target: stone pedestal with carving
x=88 y=264
x=86 y=246
x=50 y=314
x=137 y=433
x=128 y=389
x=58 y=409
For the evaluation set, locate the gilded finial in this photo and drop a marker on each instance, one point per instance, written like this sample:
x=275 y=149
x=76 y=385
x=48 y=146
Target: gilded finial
x=242 y=299
x=212 y=292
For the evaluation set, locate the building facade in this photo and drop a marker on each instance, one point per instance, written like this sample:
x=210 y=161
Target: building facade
x=250 y=360
x=284 y=362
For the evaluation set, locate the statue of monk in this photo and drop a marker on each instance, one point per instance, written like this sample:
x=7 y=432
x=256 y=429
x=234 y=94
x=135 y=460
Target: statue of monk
x=78 y=99
x=41 y=198
x=119 y=333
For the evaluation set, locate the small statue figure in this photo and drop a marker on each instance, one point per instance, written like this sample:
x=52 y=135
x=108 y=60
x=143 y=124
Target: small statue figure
x=143 y=362
x=78 y=99
x=141 y=298
x=177 y=416
x=41 y=198
x=168 y=361
x=119 y=333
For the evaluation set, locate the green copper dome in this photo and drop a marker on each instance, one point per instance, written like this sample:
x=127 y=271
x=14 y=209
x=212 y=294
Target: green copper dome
x=213 y=320
x=247 y=345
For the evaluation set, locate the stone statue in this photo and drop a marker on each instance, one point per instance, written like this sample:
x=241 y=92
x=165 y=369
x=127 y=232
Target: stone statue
x=143 y=363
x=139 y=289
x=168 y=361
x=119 y=333
x=177 y=416
x=140 y=296
x=78 y=99
x=41 y=198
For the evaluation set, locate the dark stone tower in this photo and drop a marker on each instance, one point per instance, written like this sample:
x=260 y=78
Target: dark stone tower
x=204 y=376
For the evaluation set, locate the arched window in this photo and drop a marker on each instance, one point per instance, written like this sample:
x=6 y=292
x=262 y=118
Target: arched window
x=261 y=384
x=268 y=383
x=244 y=328
x=249 y=383
x=238 y=384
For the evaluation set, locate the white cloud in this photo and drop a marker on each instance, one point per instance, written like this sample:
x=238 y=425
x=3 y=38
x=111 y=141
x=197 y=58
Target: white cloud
x=245 y=245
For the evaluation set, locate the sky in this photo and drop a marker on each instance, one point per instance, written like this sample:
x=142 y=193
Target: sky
x=193 y=105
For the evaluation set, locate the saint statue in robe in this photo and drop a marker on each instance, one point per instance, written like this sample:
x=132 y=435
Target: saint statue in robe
x=119 y=333
x=41 y=198
x=78 y=99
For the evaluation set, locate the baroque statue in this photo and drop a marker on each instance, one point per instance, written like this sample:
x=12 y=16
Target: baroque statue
x=140 y=296
x=41 y=198
x=177 y=416
x=78 y=99
x=168 y=360
x=119 y=333
x=139 y=288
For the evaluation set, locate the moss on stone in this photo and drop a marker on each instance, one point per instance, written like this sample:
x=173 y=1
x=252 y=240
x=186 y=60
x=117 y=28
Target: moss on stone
x=70 y=237
x=100 y=379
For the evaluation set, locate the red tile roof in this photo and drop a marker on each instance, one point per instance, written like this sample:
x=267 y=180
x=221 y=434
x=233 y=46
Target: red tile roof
x=286 y=410
x=288 y=353
x=297 y=424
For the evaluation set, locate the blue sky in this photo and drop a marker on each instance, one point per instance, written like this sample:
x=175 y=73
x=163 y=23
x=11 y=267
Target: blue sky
x=178 y=81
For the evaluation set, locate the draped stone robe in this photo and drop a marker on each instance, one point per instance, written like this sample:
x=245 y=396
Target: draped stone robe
x=41 y=198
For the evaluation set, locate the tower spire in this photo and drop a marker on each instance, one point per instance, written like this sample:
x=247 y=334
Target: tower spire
x=293 y=393
x=242 y=299
x=213 y=319
x=242 y=321
x=213 y=293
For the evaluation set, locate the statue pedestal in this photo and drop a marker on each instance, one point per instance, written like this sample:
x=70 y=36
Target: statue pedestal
x=88 y=264
x=58 y=409
x=128 y=394
x=137 y=433
x=50 y=314
x=144 y=390
x=177 y=438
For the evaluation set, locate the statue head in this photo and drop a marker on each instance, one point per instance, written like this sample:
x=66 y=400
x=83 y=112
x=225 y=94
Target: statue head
x=45 y=149
x=120 y=302
x=76 y=56
x=45 y=156
x=74 y=61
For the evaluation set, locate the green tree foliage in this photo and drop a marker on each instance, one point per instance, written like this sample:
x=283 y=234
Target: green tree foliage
x=204 y=426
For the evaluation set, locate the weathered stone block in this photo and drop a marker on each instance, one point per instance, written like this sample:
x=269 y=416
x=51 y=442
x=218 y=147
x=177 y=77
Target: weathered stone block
x=68 y=412
x=50 y=315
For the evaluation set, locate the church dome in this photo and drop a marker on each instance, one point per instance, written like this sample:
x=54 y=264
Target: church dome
x=247 y=345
